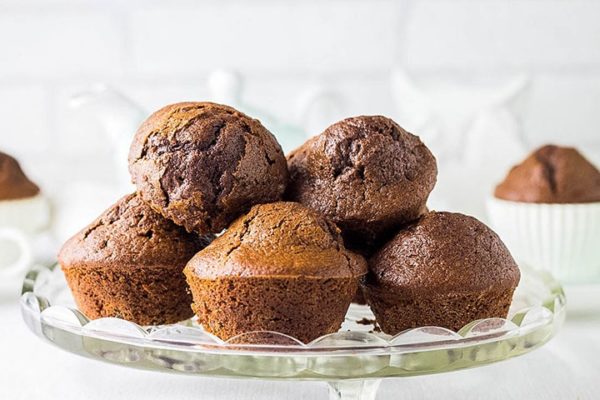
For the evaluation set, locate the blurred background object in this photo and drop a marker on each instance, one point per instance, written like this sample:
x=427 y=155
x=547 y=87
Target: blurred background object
x=24 y=216
x=473 y=128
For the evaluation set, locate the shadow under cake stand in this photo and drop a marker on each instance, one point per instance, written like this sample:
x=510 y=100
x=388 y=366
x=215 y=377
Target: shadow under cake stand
x=353 y=361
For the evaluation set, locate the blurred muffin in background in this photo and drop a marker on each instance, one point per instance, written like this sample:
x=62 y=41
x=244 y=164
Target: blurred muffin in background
x=22 y=204
x=547 y=210
x=552 y=174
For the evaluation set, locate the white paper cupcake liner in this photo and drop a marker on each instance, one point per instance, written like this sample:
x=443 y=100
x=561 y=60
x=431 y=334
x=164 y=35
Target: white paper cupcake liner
x=563 y=239
x=28 y=214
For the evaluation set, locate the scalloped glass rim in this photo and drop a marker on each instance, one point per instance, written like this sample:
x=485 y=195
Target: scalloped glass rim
x=41 y=290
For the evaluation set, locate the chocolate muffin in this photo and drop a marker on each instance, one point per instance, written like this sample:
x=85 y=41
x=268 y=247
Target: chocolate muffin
x=203 y=164
x=282 y=267
x=367 y=174
x=446 y=270
x=14 y=184
x=552 y=174
x=128 y=263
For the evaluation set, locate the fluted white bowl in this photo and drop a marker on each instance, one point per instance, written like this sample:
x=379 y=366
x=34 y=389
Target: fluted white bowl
x=563 y=239
x=29 y=214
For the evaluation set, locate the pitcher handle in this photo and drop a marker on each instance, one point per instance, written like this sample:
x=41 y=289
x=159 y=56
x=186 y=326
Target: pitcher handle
x=25 y=253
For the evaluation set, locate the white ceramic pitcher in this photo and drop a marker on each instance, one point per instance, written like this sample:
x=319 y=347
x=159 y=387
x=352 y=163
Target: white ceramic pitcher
x=15 y=253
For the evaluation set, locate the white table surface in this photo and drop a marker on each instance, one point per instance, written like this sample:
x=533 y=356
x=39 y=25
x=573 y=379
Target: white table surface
x=566 y=368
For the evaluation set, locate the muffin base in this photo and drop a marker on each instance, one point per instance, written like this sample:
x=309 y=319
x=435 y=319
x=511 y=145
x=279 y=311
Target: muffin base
x=395 y=313
x=304 y=308
x=144 y=295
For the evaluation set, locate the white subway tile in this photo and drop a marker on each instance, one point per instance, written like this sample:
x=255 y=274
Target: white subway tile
x=565 y=109
x=333 y=35
x=498 y=33
x=25 y=126
x=59 y=43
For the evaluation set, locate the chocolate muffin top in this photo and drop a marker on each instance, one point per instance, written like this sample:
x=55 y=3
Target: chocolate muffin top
x=552 y=174
x=14 y=184
x=366 y=173
x=130 y=234
x=203 y=164
x=443 y=252
x=282 y=239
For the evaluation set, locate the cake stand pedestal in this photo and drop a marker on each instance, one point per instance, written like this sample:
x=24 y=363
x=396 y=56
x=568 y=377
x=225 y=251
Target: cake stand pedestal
x=354 y=390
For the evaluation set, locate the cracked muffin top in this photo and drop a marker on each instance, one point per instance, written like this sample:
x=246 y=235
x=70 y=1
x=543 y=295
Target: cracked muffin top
x=552 y=174
x=443 y=252
x=204 y=164
x=282 y=239
x=131 y=234
x=366 y=173
x=14 y=184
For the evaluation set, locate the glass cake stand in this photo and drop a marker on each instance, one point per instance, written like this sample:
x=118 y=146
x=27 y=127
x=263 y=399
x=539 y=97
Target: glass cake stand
x=353 y=361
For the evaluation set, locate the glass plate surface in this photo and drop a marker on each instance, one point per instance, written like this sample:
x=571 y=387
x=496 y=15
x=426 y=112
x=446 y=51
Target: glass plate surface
x=356 y=352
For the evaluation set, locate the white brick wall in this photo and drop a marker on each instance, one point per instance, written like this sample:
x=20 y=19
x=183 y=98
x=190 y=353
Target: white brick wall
x=565 y=107
x=24 y=126
x=500 y=34
x=59 y=44
x=265 y=36
x=161 y=51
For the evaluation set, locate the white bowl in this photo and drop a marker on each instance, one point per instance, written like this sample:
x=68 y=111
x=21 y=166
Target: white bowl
x=563 y=239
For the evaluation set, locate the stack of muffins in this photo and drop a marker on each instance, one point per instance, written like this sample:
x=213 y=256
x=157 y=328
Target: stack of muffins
x=223 y=226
